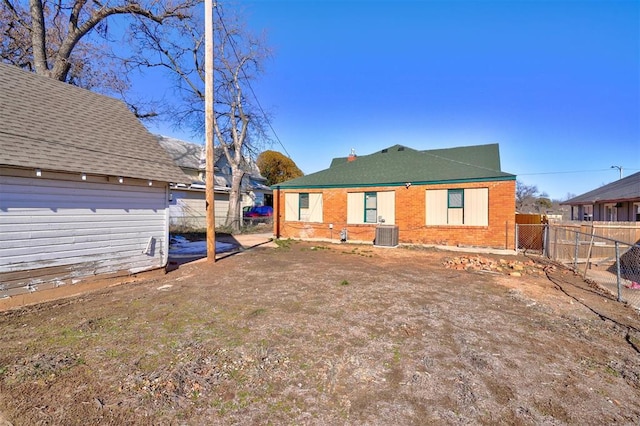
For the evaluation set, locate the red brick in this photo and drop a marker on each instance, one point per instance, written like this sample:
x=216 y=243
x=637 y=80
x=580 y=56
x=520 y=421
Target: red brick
x=410 y=217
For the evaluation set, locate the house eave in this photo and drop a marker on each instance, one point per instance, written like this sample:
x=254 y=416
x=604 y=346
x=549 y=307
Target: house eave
x=394 y=184
x=601 y=201
x=50 y=173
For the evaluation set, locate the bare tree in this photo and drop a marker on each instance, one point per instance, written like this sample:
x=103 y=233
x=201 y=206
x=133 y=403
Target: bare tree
x=70 y=40
x=525 y=194
x=239 y=123
x=543 y=203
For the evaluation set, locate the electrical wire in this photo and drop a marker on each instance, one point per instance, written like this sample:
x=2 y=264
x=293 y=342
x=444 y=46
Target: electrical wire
x=568 y=172
x=249 y=83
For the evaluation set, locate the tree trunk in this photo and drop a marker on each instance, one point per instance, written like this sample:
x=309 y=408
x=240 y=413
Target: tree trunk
x=38 y=38
x=234 y=218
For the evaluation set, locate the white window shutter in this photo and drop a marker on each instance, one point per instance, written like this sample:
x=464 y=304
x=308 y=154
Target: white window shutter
x=476 y=206
x=387 y=207
x=315 y=207
x=355 y=207
x=436 y=207
x=291 y=207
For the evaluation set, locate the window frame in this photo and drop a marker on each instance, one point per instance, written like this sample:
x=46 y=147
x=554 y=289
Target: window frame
x=303 y=198
x=367 y=210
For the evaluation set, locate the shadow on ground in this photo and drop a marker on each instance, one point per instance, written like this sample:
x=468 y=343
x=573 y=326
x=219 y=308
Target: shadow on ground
x=232 y=245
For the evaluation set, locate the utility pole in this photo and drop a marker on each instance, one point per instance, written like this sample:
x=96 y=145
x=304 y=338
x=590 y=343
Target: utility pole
x=619 y=169
x=208 y=126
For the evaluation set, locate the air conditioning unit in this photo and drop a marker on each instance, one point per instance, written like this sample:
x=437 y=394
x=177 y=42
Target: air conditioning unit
x=386 y=235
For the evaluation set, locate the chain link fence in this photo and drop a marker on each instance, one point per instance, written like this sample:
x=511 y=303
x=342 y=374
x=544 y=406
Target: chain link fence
x=198 y=223
x=530 y=238
x=612 y=264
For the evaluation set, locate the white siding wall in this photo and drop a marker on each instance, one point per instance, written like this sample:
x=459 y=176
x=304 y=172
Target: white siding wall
x=188 y=208
x=59 y=231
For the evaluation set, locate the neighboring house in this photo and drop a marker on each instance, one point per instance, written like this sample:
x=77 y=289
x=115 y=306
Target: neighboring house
x=188 y=206
x=457 y=196
x=618 y=201
x=84 y=187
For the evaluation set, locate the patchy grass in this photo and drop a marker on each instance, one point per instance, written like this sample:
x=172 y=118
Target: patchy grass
x=271 y=336
x=284 y=244
x=257 y=312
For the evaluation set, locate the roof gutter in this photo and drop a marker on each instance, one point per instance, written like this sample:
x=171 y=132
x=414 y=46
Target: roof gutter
x=368 y=185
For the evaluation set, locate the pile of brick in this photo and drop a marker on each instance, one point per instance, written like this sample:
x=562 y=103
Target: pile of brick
x=515 y=268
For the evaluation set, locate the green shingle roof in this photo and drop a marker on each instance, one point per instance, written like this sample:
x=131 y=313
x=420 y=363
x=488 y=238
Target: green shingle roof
x=397 y=165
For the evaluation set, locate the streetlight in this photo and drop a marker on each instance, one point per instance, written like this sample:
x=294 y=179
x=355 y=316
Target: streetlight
x=619 y=169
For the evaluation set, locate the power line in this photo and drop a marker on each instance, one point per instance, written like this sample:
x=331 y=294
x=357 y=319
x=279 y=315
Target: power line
x=249 y=83
x=567 y=172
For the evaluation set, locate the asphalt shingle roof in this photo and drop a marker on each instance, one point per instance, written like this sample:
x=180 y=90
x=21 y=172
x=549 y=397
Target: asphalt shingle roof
x=190 y=155
x=185 y=154
x=51 y=125
x=398 y=164
x=624 y=189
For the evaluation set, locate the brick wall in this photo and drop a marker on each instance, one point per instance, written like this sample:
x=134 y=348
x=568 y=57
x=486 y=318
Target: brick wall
x=410 y=217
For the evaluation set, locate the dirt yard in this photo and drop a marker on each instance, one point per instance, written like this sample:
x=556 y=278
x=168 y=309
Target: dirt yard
x=328 y=334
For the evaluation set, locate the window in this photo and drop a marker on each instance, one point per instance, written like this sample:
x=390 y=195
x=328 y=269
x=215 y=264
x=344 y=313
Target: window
x=456 y=198
x=303 y=207
x=587 y=212
x=469 y=207
x=304 y=200
x=610 y=212
x=371 y=207
x=636 y=212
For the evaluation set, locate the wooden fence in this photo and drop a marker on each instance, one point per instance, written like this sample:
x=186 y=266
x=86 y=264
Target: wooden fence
x=595 y=241
x=626 y=232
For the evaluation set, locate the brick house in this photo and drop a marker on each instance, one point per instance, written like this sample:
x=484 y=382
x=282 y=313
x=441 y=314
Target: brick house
x=455 y=196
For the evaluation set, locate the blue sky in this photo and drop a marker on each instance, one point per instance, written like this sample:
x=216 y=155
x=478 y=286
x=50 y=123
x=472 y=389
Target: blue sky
x=556 y=84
